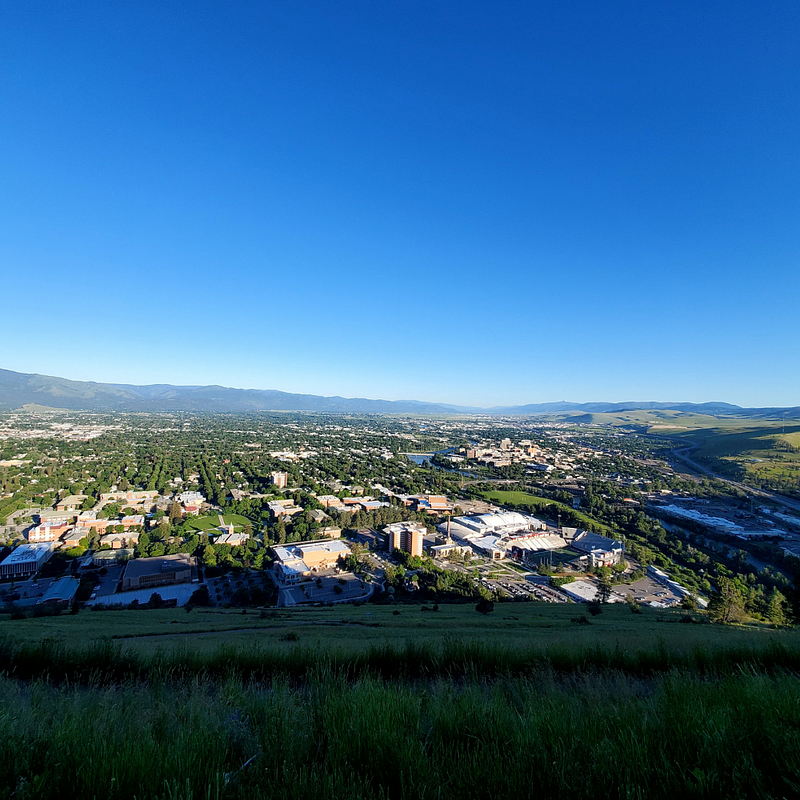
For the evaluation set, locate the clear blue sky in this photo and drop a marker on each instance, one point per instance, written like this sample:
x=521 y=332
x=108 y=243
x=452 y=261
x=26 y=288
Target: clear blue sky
x=472 y=202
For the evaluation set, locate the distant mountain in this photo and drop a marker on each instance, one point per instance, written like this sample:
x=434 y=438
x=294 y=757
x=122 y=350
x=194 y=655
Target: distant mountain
x=18 y=389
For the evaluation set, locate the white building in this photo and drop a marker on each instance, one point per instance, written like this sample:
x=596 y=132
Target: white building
x=27 y=559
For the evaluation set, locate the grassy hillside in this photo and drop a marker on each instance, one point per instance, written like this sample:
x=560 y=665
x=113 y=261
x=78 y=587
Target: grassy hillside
x=351 y=629
x=449 y=704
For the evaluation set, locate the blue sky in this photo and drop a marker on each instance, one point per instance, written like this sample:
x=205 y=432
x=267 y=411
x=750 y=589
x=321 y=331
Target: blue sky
x=472 y=202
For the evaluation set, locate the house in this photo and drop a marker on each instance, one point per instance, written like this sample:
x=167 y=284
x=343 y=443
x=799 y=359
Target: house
x=142 y=573
x=25 y=560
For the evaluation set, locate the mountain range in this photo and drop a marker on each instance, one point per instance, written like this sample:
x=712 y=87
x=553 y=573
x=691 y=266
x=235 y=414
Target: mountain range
x=18 y=389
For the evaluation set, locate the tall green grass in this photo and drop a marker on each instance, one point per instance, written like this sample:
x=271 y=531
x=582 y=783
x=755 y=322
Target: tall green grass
x=108 y=661
x=584 y=735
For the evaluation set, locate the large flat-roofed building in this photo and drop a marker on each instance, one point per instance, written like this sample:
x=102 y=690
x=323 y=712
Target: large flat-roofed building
x=406 y=536
x=26 y=559
x=600 y=550
x=296 y=561
x=142 y=573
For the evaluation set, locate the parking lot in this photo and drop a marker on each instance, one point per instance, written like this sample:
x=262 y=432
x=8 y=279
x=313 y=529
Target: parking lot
x=326 y=589
x=647 y=590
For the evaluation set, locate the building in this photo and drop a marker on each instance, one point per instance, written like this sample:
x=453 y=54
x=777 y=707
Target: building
x=25 y=560
x=47 y=533
x=280 y=508
x=108 y=558
x=133 y=498
x=60 y=592
x=50 y=517
x=191 y=499
x=142 y=573
x=293 y=562
x=600 y=550
x=406 y=536
x=71 y=503
x=131 y=521
x=119 y=541
x=429 y=503
x=279 y=479
x=73 y=536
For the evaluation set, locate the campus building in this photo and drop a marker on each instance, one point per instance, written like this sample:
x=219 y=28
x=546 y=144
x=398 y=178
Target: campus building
x=142 y=573
x=293 y=562
x=25 y=560
x=406 y=536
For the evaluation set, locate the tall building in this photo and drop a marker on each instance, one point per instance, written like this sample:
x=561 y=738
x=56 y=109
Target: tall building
x=279 y=479
x=406 y=536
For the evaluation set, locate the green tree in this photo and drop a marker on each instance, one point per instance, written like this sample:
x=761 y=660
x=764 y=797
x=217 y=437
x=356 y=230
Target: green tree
x=603 y=590
x=727 y=605
x=209 y=556
x=776 y=608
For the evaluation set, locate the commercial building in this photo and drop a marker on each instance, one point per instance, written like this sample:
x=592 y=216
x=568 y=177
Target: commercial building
x=293 y=562
x=406 y=536
x=142 y=573
x=429 y=503
x=191 y=499
x=25 y=560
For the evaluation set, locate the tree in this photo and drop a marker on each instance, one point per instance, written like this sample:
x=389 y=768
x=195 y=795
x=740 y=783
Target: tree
x=603 y=590
x=484 y=606
x=175 y=512
x=776 y=608
x=209 y=556
x=727 y=605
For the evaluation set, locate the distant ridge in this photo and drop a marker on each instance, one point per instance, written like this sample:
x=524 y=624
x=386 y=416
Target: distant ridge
x=19 y=389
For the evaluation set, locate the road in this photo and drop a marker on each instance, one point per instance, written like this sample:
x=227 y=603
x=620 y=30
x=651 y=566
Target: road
x=782 y=500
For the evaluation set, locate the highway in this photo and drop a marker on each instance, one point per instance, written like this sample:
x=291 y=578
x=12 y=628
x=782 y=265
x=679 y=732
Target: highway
x=787 y=502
